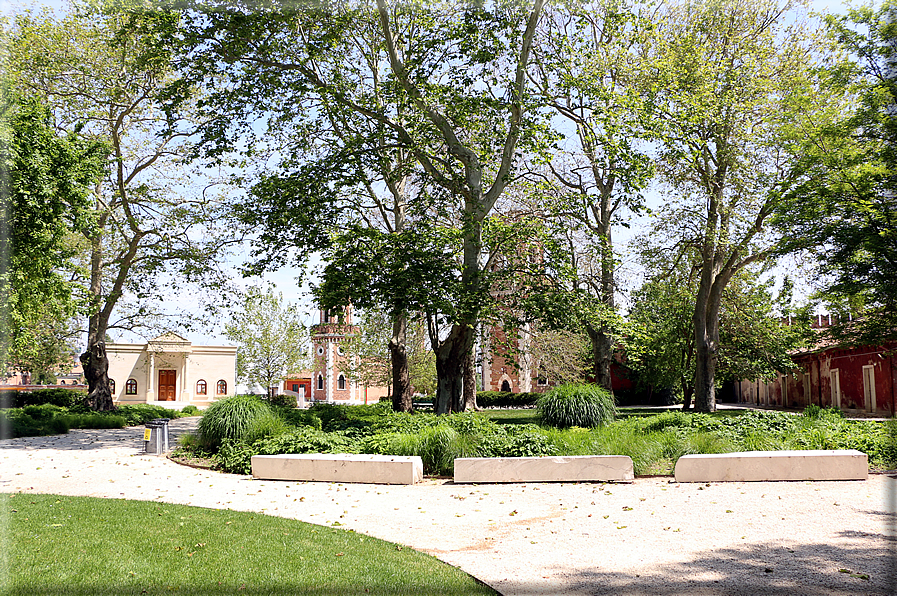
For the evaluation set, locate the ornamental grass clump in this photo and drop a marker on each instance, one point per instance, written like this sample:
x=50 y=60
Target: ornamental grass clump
x=240 y=418
x=577 y=405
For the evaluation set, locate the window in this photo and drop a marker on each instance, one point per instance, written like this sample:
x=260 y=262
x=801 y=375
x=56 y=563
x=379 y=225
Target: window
x=201 y=387
x=320 y=383
x=505 y=386
x=541 y=380
x=131 y=387
x=112 y=386
x=222 y=387
x=341 y=382
x=320 y=350
x=339 y=350
x=296 y=387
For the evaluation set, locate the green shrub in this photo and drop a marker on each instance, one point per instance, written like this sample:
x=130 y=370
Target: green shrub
x=282 y=400
x=137 y=414
x=577 y=405
x=64 y=398
x=232 y=418
x=95 y=420
x=190 y=410
x=506 y=399
x=296 y=417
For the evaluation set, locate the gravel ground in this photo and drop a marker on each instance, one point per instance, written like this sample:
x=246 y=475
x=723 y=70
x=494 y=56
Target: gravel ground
x=653 y=536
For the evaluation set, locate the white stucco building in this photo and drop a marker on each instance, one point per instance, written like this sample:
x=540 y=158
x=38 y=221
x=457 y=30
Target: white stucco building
x=169 y=368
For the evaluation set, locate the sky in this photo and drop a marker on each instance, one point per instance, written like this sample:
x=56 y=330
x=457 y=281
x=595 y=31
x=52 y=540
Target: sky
x=284 y=280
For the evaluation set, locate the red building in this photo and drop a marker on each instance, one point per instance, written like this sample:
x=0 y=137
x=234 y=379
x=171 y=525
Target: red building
x=856 y=379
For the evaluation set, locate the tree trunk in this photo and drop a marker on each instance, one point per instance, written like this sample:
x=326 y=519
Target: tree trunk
x=470 y=383
x=96 y=366
x=94 y=361
x=398 y=353
x=602 y=353
x=687 y=392
x=706 y=322
x=451 y=356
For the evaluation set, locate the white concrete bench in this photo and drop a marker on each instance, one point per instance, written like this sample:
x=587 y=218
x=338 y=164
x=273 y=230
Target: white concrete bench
x=748 y=466
x=574 y=468
x=339 y=467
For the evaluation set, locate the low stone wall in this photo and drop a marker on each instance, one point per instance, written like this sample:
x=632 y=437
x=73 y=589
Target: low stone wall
x=575 y=468
x=749 y=466
x=339 y=467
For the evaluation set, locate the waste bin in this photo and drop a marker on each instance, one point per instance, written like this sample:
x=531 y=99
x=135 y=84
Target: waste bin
x=155 y=437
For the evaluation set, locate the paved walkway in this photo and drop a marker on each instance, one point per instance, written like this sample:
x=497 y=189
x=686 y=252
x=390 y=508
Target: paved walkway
x=653 y=536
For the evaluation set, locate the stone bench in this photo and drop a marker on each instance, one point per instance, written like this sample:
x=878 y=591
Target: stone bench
x=749 y=466
x=339 y=467
x=574 y=468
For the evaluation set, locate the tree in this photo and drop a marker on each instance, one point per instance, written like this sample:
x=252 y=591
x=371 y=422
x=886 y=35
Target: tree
x=845 y=215
x=273 y=342
x=456 y=101
x=587 y=72
x=754 y=341
x=46 y=183
x=737 y=100
x=150 y=230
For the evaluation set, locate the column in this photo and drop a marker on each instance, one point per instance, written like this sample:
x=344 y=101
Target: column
x=151 y=378
x=328 y=374
x=185 y=384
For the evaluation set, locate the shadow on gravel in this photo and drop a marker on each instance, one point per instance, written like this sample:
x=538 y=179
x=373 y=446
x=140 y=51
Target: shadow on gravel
x=89 y=439
x=760 y=568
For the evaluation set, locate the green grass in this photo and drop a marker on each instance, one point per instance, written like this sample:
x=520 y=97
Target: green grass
x=79 y=545
x=526 y=416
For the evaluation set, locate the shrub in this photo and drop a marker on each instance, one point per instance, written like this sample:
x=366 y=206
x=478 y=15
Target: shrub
x=190 y=410
x=506 y=399
x=577 y=405
x=64 y=398
x=298 y=418
x=233 y=418
x=282 y=400
x=136 y=414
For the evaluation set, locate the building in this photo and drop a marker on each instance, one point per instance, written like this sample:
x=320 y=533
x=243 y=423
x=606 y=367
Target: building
x=856 y=379
x=169 y=368
x=330 y=382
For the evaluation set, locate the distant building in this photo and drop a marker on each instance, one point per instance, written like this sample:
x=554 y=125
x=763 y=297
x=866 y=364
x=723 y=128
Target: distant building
x=856 y=379
x=330 y=382
x=169 y=368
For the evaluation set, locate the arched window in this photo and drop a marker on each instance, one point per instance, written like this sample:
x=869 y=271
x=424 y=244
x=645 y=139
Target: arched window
x=222 y=387
x=201 y=387
x=131 y=387
x=320 y=383
x=505 y=386
x=112 y=386
x=341 y=382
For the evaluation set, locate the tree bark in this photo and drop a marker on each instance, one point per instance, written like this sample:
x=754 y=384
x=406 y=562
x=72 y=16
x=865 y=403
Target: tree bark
x=470 y=383
x=687 y=392
x=602 y=352
x=94 y=360
x=401 y=384
x=451 y=356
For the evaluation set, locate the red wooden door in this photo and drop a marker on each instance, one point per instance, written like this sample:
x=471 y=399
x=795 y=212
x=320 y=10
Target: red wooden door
x=166 y=385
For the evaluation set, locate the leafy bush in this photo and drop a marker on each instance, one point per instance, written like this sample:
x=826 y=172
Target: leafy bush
x=65 y=398
x=282 y=400
x=137 y=414
x=95 y=420
x=506 y=399
x=577 y=405
x=296 y=417
x=190 y=410
x=234 y=418
x=42 y=421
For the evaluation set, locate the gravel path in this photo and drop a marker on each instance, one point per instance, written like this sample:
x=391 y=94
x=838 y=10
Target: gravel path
x=653 y=536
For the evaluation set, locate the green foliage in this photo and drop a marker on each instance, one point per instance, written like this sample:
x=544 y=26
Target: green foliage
x=283 y=400
x=65 y=398
x=506 y=399
x=237 y=418
x=190 y=410
x=273 y=341
x=577 y=405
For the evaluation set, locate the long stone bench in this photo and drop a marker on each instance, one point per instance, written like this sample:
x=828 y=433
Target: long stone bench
x=749 y=466
x=339 y=467
x=574 y=468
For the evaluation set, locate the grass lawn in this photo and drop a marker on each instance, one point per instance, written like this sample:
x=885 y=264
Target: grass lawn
x=79 y=545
